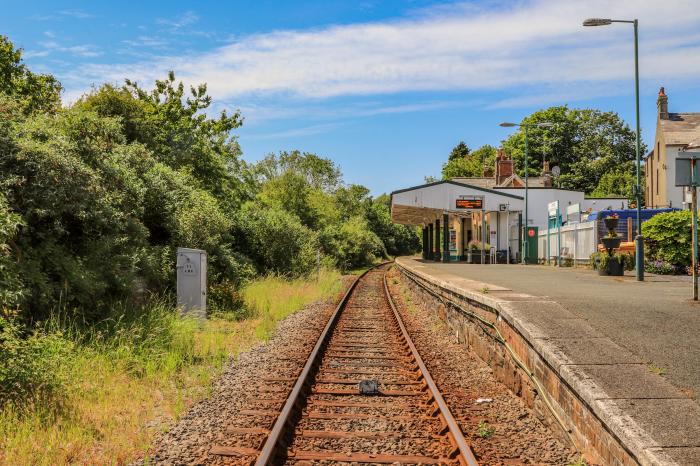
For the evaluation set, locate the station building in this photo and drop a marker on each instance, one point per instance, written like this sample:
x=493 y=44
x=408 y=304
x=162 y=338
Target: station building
x=484 y=216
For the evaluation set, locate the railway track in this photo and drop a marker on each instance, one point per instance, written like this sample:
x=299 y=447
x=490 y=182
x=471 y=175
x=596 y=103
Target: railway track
x=362 y=396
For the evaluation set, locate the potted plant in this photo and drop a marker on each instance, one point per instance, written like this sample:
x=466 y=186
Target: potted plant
x=487 y=253
x=474 y=252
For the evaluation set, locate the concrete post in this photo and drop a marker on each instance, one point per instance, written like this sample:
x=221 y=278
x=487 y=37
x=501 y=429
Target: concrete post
x=463 y=235
x=430 y=242
x=446 y=238
x=575 y=243
x=484 y=235
x=437 y=255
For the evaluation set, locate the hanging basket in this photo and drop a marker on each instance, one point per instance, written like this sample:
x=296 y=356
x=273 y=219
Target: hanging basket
x=611 y=222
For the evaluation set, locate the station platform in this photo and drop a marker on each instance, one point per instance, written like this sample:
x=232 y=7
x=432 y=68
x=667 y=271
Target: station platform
x=628 y=350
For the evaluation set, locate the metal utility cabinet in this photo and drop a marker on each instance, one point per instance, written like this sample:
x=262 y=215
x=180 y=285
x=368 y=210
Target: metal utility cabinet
x=192 y=281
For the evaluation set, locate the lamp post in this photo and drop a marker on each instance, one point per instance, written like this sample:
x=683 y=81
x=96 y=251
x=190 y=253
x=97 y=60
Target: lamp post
x=544 y=124
x=638 y=240
x=690 y=151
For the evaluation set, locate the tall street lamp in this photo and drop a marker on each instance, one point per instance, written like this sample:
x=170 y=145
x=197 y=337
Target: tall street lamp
x=638 y=240
x=544 y=124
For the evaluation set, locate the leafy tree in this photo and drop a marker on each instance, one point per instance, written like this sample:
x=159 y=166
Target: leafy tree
x=464 y=163
x=34 y=92
x=352 y=243
x=301 y=183
x=615 y=183
x=317 y=172
x=397 y=239
x=178 y=132
x=584 y=143
x=353 y=200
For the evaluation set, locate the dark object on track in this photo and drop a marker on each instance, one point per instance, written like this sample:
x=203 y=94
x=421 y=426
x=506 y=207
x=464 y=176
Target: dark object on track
x=369 y=387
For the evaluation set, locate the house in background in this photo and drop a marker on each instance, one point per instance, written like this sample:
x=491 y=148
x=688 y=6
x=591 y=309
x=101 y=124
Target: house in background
x=674 y=131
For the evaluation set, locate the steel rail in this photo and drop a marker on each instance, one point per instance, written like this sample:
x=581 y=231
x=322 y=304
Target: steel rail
x=454 y=429
x=274 y=439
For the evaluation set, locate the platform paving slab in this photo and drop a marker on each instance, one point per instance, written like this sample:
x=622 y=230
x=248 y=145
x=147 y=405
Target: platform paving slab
x=601 y=334
x=596 y=350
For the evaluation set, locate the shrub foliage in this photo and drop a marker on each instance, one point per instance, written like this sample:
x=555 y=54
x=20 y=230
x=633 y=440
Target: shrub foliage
x=668 y=238
x=98 y=195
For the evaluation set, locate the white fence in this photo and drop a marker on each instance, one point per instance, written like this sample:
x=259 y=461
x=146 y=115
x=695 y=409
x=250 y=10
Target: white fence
x=578 y=241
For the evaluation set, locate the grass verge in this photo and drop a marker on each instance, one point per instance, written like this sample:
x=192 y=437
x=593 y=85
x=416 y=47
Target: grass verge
x=76 y=394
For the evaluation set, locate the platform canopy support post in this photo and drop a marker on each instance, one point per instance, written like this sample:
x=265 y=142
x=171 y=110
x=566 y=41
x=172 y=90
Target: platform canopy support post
x=446 y=237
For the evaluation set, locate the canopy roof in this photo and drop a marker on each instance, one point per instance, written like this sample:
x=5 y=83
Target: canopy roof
x=420 y=205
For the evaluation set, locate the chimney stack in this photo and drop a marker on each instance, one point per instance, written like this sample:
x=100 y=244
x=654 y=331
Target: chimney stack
x=662 y=104
x=504 y=167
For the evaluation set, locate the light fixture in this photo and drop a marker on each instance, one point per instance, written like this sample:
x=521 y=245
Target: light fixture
x=597 y=22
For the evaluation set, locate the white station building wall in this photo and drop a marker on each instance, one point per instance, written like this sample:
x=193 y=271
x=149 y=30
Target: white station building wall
x=444 y=196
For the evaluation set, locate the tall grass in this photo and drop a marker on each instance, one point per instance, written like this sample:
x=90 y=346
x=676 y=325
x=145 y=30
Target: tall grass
x=274 y=298
x=97 y=394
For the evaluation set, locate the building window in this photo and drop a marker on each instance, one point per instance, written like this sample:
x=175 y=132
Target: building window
x=658 y=150
x=657 y=181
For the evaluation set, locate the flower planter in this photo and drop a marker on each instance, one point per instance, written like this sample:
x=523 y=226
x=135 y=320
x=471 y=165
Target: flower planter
x=476 y=258
x=611 y=223
x=611 y=243
x=613 y=267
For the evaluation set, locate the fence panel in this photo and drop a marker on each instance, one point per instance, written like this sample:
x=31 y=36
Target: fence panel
x=578 y=241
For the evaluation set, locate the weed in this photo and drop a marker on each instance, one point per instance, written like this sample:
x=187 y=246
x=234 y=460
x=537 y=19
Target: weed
x=484 y=430
x=658 y=370
x=485 y=290
x=579 y=462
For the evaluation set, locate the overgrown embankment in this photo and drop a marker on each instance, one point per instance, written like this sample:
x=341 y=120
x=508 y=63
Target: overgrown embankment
x=97 y=394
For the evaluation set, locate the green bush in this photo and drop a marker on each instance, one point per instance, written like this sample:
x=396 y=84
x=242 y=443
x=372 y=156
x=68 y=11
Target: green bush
x=12 y=289
x=352 y=243
x=275 y=241
x=668 y=237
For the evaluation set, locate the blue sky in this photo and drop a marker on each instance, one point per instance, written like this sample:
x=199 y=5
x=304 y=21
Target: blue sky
x=384 y=88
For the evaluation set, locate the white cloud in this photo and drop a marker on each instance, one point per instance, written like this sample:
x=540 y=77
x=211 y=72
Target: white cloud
x=76 y=13
x=536 y=44
x=83 y=50
x=295 y=132
x=146 y=41
x=186 y=19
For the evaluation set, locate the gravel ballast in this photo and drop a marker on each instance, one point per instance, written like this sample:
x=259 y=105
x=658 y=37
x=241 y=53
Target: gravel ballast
x=517 y=437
